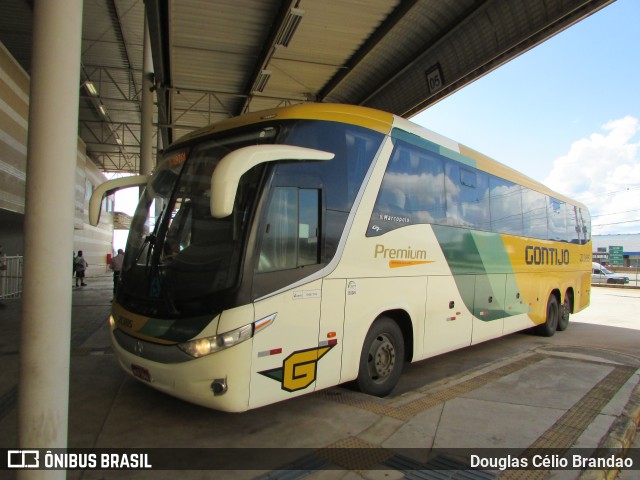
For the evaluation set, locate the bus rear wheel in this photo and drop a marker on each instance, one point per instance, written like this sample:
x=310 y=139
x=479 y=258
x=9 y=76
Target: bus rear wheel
x=549 y=327
x=382 y=358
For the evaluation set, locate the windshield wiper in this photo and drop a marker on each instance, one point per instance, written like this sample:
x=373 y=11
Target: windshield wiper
x=150 y=240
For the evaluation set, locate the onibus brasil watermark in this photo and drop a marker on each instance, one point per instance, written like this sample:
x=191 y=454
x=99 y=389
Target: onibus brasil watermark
x=53 y=460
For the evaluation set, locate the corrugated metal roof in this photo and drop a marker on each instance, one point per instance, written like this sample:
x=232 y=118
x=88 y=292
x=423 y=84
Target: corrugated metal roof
x=216 y=59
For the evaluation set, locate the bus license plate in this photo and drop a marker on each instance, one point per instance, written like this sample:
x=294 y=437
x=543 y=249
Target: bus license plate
x=141 y=372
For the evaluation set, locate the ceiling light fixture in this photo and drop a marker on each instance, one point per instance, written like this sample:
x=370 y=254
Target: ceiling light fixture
x=90 y=88
x=261 y=81
x=289 y=27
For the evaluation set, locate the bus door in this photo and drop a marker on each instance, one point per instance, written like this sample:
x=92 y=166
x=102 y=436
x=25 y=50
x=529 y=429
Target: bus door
x=286 y=352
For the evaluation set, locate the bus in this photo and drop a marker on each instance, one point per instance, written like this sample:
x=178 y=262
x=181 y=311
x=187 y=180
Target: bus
x=289 y=250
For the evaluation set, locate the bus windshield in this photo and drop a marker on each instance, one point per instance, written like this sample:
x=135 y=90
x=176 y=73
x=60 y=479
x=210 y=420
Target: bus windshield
x=178 y=255
x=181 y=261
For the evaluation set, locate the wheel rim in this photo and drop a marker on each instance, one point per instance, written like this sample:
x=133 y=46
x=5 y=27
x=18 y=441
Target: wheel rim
x=382 y=358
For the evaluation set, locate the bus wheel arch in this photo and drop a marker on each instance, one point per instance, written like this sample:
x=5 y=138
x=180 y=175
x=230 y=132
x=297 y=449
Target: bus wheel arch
x=552 y=316
x=566 y=309
x=403 y=319
x=383 y=353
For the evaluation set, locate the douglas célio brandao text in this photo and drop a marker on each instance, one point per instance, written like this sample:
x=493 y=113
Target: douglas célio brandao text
x=569 y=462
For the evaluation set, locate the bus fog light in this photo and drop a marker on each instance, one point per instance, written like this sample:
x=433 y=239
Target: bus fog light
x=219 y=386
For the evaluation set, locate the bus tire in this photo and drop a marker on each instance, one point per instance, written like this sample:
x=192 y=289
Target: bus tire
x=565 y=311
x=549 y=327
x=382 y=358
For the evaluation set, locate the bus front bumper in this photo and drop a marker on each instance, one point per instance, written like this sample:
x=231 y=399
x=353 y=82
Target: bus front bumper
x=219 y=381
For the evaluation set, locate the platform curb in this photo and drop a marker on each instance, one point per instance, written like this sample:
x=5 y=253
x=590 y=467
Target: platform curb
x=620 y=436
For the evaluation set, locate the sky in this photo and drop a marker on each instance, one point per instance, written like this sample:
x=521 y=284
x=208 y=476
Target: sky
x=566 y=113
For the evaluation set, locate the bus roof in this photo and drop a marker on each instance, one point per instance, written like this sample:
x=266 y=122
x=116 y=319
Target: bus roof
x=363 y=116
x=384 y=123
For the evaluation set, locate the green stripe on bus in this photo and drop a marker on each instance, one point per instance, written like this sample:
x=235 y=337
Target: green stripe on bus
x=420 y=142
x=470 y=256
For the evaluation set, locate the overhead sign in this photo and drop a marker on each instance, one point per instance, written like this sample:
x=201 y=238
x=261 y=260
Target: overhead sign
x=616 y=255
x=435 y=80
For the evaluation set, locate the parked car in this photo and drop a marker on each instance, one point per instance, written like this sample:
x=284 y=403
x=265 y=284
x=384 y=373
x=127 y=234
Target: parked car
x=600 y=274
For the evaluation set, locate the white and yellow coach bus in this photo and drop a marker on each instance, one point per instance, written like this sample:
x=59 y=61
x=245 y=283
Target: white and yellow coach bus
x=285 y=251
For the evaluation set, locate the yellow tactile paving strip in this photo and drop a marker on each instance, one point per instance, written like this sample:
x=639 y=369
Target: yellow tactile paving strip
x=429 y=400
x=354 y=454
x=563 y=434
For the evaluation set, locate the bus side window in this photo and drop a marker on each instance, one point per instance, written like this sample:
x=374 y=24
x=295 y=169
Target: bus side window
x=412 y=191
x=534 y=213
x=505 y=204
x=290 y=238
x=467 y=196
x=586 y=225
x=574 y=227
x=557 y=220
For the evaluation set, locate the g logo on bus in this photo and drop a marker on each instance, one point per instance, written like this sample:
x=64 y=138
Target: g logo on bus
x=299 y=369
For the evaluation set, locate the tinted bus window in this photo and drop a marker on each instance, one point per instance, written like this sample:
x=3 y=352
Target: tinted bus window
x=586 y=225
x=506 y=206
x=290 y=239
x=467 y=196
x=574 y=225
x=557 y=218
x=534 y=213
x=412 y=190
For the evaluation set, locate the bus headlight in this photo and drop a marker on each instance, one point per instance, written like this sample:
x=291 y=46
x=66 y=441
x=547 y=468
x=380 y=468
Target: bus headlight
x=205 y=346
x=208 y=345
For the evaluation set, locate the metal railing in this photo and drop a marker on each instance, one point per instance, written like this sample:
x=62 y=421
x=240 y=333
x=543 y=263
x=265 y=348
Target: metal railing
x=11 y=277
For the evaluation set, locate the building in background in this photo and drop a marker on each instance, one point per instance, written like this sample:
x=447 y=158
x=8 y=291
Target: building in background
x=617 y=250
x=95 y=242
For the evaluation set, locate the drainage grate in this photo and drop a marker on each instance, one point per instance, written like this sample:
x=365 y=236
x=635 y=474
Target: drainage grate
x=440 y=467
x=296 y=470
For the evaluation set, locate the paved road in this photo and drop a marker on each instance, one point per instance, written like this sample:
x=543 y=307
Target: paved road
x=610 y=326
x=510 y=393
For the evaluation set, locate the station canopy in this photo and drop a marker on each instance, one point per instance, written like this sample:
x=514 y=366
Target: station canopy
x=218 y=59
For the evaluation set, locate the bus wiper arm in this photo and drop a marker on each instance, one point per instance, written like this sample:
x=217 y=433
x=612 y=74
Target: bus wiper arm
x=151 y=239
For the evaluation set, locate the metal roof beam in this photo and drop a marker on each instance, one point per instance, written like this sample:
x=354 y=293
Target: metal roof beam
x=379 y=35
x=158 y=19
x=267 y=51
x=117 y=28
x=571 y=16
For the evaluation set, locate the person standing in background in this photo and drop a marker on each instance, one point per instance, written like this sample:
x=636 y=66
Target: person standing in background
x=116 y=266
x=80 y=265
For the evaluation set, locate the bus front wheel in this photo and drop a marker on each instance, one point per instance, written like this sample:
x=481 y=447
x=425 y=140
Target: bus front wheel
x=382 y=358
x=549 y=327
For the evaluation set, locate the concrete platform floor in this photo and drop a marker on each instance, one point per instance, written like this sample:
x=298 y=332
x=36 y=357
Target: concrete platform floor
x=517 y=396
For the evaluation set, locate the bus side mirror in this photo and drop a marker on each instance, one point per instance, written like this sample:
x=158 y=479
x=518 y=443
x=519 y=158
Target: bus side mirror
x=226 y=176
x=109 y=187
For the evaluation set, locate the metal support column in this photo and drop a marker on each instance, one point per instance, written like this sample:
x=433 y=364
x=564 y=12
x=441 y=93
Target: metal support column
x=146 y=128
x=43 y=401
